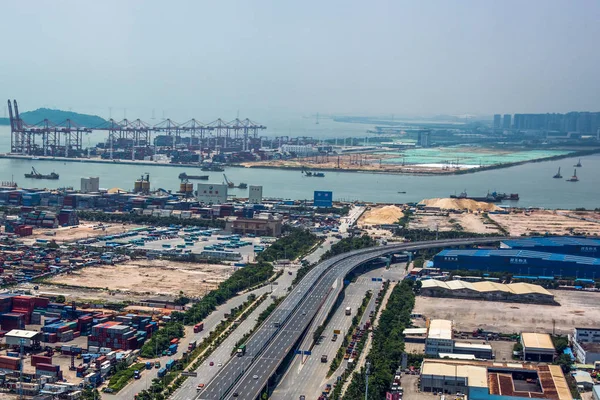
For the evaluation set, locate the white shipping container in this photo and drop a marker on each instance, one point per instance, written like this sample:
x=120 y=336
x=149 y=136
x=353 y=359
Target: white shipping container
x=93 y=349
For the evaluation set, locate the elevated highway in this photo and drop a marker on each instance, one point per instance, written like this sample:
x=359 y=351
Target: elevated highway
x=245 y=377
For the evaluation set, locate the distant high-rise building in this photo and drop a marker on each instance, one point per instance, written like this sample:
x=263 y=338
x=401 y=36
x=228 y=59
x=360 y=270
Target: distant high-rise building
x=506 y=121
x=497 y=121
x=424 y=138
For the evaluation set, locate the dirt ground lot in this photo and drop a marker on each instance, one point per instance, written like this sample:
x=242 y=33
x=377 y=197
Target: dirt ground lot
x=576 y=309
x=380 y=215
x=150 y=277
x=553 y=222
x=82 y=231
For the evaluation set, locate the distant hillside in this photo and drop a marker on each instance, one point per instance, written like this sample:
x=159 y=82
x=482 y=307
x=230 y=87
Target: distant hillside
x=57 y=116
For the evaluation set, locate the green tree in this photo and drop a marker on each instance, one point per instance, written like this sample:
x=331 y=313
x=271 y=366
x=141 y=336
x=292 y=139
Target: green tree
x=60 y=298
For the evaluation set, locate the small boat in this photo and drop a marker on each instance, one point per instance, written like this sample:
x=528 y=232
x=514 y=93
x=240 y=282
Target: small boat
x=36 y=175
x=242 y=185
x=558 y=175
x=578 y=165
x=402 y=192
x=319 y=175
x=574 y=178
x=184 y=176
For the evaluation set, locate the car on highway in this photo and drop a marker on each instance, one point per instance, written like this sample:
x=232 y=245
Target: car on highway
x=157 y=364
x=200 y=386
x=254 y=376
x=219 y=364
x=211 y=363
x=136 y=374
x=236 y=394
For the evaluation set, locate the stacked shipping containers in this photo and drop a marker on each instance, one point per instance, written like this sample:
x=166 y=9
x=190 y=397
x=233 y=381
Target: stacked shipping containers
x=113 y=335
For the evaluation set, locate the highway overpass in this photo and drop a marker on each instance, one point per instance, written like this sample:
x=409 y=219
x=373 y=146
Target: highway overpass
x=244 y=377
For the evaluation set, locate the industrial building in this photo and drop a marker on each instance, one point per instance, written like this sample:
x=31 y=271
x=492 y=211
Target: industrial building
x=485 y=380
x=440 y=340
x=518 y=262
x=586 y=345
x=486 y=290
x=29 y=339
x=255 y=194
x=264 y=225
x=90 y=185
x=209 y=193
x=577 y=246
x=537 y=347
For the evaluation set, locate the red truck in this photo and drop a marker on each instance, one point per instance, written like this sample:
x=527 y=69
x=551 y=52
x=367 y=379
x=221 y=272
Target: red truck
x=199 y=327
x=175 y=341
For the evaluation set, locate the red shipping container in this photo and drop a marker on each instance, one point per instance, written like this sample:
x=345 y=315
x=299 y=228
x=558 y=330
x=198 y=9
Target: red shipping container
x=48 y=367
x=41 y=302
x=40 y=360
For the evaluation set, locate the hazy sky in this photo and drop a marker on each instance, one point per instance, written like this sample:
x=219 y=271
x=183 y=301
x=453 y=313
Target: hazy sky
x=211 y=58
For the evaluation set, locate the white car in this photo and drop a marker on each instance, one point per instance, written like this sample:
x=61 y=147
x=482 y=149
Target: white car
x=255 y=377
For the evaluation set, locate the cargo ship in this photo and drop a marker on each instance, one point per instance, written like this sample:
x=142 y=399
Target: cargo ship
x=183 y=176
x=36 y=175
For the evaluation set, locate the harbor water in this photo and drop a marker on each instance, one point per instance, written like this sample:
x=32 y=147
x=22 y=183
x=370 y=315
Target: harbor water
x=533 y=181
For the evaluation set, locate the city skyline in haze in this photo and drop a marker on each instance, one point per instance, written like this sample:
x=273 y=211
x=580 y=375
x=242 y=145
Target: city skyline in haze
x=268 y=58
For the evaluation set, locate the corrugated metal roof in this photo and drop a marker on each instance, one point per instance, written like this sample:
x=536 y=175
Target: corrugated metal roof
x=552 y=242
x=520 y=288
x=522 y=254
x=440 y=329
x=537 y=341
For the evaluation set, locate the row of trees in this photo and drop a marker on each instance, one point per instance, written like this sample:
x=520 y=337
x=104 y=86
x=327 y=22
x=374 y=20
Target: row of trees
x=132 y=218
x=296 y=242
x=415 y=235
x=387 y=345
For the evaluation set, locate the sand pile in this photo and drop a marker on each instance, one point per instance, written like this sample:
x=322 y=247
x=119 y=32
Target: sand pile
x=460 y=204
x=381 y=215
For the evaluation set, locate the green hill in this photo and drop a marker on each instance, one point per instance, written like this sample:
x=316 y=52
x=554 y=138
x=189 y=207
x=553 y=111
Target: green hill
x=57 y=117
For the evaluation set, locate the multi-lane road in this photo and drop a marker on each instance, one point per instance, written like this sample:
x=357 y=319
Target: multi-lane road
x=245 y=377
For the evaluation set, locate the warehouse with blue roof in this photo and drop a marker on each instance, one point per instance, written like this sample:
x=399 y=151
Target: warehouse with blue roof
x=519 y=262
x=574 y=245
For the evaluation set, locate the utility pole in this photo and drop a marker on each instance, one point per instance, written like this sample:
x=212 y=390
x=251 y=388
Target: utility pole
x=367 y=372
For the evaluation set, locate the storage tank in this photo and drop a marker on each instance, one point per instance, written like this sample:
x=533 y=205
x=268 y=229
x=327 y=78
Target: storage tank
x=183 y=187
x=145 y=186
x=189 y=188
x=137 y=186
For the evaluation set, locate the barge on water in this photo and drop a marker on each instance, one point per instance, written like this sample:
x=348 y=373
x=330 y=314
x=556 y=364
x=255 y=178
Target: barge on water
x=36 y=175
x=184 y=176
x=493 y=197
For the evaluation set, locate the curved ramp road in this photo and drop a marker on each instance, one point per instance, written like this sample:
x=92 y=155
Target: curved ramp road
x=243 y=378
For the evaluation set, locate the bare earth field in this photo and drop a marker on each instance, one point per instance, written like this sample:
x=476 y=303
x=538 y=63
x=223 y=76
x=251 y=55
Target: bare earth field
x=576 y=309
x=380 y=215
x=82 y=231
x=431 y=222
x=553 y=222
x=150 y=277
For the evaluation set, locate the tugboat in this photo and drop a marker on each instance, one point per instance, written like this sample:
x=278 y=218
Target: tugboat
x=574 y=178
x=558 y=175
x=36 y=175
x=578 y=165
x=183 y=176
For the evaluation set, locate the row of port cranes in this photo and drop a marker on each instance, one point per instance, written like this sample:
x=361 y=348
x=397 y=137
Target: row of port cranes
x=65 y=139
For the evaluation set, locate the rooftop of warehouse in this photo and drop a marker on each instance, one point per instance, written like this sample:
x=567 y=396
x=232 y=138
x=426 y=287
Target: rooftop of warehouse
x=507 y=253
x=552 y=241
x=440 y=329
x=22 y=334
x=499 y=377
x=537 y=341
x=519 y=288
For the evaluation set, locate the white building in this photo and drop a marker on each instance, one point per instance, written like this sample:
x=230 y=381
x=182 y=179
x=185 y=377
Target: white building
x=209 y=193
x=255 y=194
x=439 y=337
x=299 y=149
x=586 y=345
x=89 y=185
x=30 y=338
